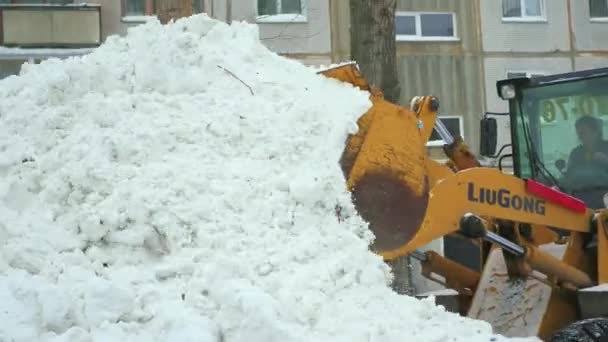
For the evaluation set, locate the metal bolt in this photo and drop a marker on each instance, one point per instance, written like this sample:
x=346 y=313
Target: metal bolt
x=434 y=104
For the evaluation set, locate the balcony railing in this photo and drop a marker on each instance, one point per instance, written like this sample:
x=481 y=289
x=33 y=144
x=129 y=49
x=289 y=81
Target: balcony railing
x=50 y=26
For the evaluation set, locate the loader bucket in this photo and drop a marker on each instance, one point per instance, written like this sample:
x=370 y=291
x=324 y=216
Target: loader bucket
x=385 y=165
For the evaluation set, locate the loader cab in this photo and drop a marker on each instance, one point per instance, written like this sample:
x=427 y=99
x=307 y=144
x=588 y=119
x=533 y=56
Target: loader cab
x=559 y=131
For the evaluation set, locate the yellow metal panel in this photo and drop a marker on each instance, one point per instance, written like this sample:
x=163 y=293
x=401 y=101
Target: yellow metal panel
x=452 y=198
x=426 y=115
x=388 y=179
x=602 y=248
x=514 y=308
x=385 y=165
x=437 y=171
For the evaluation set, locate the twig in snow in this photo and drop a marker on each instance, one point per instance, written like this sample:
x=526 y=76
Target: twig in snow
x=235 y=76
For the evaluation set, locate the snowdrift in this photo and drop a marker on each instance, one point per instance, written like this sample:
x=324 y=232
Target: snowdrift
x=181 y=184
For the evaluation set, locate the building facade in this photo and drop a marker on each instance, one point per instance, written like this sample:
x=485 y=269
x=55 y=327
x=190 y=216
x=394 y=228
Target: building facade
x=295 y=28
x=299 y=29
x=555 y=36
x=539 y=37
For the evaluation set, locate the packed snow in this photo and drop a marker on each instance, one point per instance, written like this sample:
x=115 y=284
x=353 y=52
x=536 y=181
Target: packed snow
x=181 y=184
x=597 y=288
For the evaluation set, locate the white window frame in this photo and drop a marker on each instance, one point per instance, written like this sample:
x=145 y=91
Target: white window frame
x=527 y=73
x=440 y=142
x=282 y=18
x=418 y=36
x=597 y=19
x=526 y=18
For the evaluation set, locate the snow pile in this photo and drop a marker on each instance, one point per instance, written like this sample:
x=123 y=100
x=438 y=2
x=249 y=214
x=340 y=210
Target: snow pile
x=181 y=184
x=597 y=288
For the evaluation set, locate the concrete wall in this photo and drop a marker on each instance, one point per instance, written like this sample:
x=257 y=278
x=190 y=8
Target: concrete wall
x=309 y=41
x=111 y=18
x=517 y=36
x=583 y=62
x=496 y=68
x=589 y=34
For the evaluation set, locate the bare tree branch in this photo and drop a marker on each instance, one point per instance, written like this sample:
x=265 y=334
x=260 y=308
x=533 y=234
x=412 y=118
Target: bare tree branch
x=235 y=76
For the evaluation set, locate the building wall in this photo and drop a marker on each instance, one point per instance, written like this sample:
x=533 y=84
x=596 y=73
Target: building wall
x=308 y=41
x=583 y=62
x=496 y=69
x=517 y=36
x=589 y=34
x=112 y=21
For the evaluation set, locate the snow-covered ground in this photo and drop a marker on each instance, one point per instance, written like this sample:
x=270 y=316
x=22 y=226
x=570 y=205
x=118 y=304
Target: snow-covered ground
x=181 y=184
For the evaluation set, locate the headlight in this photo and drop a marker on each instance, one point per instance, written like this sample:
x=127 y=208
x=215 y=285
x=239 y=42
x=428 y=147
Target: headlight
x=507 y=91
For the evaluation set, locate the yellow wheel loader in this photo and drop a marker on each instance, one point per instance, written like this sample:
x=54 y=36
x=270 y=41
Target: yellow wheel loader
x=542 y=237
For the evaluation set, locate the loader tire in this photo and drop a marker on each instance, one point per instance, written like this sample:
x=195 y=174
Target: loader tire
x=588 y=330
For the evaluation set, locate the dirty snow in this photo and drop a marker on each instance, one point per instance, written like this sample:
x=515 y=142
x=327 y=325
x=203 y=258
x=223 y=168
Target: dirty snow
x=181 y=184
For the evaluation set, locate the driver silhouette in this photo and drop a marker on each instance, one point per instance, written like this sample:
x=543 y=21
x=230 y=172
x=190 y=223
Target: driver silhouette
x=587 y=167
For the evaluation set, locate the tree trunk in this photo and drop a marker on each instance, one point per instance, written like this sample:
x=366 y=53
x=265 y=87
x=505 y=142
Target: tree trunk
x=373 y=47
x=372 y=42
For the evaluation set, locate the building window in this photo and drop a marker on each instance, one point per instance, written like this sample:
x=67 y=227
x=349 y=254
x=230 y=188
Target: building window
x=138 y=7
x=598 y=9
x=523 y=74
x=523 y=10
x=425 y=26
x=281 y=11
x=453 y=124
